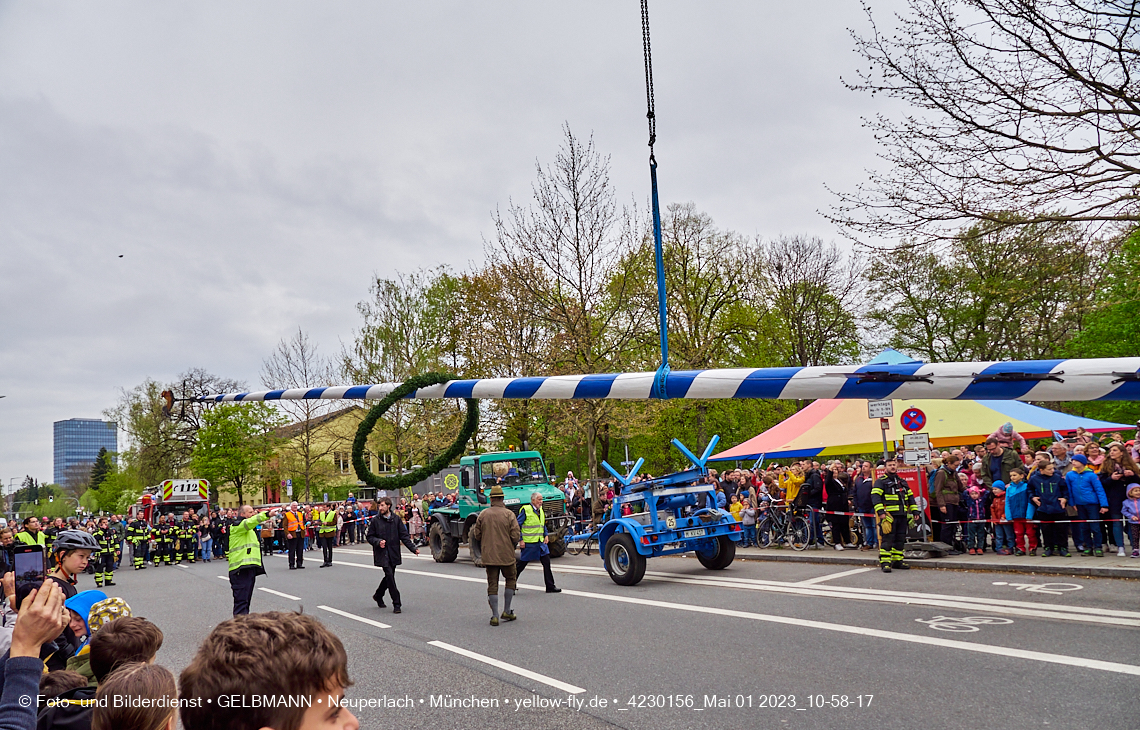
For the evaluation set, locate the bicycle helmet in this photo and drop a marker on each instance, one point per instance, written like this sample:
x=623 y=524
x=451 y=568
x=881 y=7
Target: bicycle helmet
x=74 y=540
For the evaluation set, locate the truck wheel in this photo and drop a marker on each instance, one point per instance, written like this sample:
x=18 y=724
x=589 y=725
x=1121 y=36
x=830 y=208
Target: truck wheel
x=476 y=549
x=722 y=557
x=444 y=547
x=624 y=564
x=557 y=548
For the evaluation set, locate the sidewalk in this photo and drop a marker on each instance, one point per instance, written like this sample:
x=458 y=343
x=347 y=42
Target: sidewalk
x=1109 y=566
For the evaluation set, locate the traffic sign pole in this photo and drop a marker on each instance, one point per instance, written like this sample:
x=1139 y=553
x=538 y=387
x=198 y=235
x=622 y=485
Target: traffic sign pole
x=885 y=423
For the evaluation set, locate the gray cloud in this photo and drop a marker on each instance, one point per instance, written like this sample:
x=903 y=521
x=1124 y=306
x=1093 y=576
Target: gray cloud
x=255 y=163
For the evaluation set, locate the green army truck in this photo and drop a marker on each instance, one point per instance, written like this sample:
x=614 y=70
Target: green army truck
x=520 y=474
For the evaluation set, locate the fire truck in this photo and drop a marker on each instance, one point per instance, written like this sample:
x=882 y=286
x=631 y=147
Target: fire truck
x=174 y=497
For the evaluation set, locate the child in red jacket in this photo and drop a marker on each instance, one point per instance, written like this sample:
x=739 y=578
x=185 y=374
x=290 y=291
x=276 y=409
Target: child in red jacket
x=1003 y=530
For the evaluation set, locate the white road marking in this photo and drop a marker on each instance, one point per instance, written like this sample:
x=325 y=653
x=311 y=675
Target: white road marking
x=557 y=684
x=1056 y=589
x=354 y=617
x=877 y=633
x=410 y=556
x=1023 y=608
x=224 y=577
x=822 y=625
x=962 y=624
x=832 y=576
x=970 y=603
x=279 y=593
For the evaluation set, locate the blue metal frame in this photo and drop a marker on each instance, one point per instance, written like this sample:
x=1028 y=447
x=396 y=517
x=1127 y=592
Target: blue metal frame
x=661 y=500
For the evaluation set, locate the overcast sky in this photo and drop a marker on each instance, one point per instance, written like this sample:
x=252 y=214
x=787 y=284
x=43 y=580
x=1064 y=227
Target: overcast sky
x=256 y=164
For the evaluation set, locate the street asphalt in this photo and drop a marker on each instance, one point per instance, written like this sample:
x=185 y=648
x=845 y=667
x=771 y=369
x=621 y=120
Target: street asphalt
x=692 y=648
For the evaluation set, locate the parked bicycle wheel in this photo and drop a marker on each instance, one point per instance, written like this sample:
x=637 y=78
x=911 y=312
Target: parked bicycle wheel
x=825 y=528
x=799 y=532
x=764 y=530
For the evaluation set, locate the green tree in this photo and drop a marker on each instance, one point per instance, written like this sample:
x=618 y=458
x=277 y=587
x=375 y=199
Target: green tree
x=410 y=327
x=1111 y=326
x=234 y=443
x=164 y=441
x=1017 y=293
x=101 y=468
x=814 y=290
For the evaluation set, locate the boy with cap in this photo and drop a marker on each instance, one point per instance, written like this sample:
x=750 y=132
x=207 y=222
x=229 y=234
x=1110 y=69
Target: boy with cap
x=1089 y=498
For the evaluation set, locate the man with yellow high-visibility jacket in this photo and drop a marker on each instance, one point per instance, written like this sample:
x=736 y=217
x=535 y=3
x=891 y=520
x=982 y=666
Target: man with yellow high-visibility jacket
x=896 y=511
x=326 y=532
x=532 y=523
x=245 y=556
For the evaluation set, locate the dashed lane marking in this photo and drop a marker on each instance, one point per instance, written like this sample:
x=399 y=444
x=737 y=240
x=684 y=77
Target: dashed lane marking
x=1005 y=651
x=279 y=593
x=354 y=617
x=551 y=681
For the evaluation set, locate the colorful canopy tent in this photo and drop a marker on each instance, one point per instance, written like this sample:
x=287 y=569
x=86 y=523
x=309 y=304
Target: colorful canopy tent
x=831 y=427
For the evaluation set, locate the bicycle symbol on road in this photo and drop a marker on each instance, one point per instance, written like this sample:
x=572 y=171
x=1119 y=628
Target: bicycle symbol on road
x=1053 y=588
x=963 y=624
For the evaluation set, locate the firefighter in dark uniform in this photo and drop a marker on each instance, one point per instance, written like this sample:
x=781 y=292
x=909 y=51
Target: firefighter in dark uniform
x=896 y=511
x=163 y=535
x=188 y=537
x=138 y=535
x=104 y=560
x=51 y=531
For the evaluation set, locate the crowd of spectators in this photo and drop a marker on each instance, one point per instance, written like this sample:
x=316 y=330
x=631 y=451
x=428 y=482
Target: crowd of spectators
x=1079 y=492
x=111 y=681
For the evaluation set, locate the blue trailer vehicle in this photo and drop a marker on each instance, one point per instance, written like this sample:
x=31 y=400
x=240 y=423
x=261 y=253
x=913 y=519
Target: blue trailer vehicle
x=668 y=515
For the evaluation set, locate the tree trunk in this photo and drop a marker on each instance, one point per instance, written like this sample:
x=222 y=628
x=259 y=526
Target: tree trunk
x=702 y=413
x=592 y=448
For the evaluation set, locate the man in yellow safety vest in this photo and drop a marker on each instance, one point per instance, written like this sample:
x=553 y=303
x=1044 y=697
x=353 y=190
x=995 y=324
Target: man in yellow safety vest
x=326 y=532
x=532 y=522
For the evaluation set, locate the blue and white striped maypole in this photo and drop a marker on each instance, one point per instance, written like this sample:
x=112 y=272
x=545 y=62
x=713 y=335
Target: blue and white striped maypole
x=1024 y=380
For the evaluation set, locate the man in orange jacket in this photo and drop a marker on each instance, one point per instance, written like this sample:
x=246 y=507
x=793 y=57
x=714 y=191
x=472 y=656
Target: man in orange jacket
x=295 y=536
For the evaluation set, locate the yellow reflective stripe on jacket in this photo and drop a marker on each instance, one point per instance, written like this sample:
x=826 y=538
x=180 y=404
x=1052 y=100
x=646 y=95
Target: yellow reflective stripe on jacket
x=534 y=525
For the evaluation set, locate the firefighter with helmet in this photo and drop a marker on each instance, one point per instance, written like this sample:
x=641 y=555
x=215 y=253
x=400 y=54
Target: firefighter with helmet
x=138 y=535
x=163 y=535
x=108 y=540
x=896 y=511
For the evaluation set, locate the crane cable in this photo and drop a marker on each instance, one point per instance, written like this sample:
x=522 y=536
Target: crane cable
x=661 y=377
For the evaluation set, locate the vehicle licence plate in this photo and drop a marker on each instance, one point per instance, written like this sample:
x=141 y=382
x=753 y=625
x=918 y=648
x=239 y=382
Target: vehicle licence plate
x=694 y=533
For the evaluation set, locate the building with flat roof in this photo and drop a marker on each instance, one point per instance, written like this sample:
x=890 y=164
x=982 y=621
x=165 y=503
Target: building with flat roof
x=77 y=443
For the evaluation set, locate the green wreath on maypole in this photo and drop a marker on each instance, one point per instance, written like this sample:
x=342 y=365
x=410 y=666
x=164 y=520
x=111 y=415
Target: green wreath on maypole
x=436 y=465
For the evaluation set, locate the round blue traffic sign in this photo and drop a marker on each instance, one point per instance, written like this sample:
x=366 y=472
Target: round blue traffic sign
x=913 y=419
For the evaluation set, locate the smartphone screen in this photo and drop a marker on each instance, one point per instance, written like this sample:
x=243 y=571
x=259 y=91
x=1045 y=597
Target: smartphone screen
x=28 y=564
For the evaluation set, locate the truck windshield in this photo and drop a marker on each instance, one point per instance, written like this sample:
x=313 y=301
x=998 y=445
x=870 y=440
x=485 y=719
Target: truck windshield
x=513 y=472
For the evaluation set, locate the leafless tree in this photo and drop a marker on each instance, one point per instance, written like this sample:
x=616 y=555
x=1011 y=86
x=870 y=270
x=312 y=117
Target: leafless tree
x=297 y=364
x=577 y=239
x=814 y=290
x=1029 y=106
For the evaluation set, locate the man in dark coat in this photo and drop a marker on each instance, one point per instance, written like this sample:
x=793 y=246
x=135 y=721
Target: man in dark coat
x=385 y=533
x=811 y=495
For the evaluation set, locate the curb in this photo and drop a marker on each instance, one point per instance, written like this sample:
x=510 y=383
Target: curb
x=942 y=563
